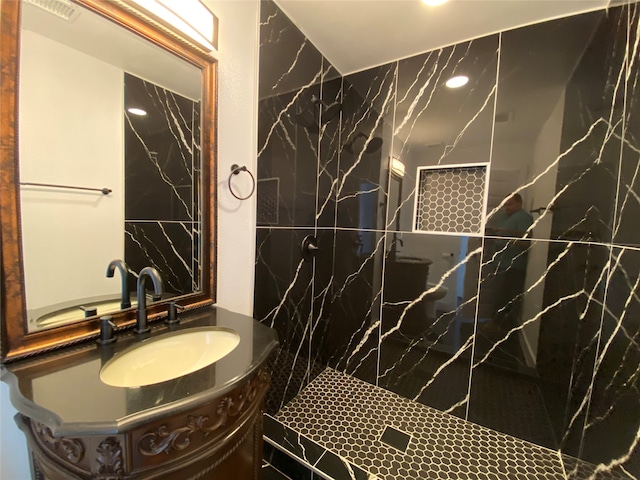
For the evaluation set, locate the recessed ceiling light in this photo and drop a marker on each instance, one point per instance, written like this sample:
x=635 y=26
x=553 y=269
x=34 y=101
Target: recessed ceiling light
x=137 y=111
x=457 y=81
x=433 y=3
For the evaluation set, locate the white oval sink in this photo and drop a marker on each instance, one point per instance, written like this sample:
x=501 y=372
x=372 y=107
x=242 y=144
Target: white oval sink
x=169 y=356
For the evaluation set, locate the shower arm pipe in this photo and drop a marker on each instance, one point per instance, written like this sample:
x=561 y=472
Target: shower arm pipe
x=104 y=191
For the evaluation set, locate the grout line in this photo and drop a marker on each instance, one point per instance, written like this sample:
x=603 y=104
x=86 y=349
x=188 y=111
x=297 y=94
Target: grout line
x=407 y=232
x=267 y=464
x=301 y=461
x=305 y=463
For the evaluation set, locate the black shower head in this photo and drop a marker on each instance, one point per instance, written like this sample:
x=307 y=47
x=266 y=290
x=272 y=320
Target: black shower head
x=329 y=112
x=372 y=147
x=305 y=118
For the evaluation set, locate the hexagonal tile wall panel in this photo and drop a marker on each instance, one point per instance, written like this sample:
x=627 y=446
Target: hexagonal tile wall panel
x=268 y=201
x=450 y=199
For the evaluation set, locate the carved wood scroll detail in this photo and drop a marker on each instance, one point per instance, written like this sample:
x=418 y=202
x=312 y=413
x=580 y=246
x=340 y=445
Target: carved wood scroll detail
x=70 y=448
x=164 y=440
x=109 y=459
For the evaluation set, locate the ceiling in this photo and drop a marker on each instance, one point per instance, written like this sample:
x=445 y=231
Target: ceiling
x=86 y=32
x=358 y=34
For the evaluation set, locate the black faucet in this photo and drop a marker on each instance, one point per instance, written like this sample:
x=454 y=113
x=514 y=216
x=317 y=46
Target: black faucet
x=124 y=274
x=152 y=273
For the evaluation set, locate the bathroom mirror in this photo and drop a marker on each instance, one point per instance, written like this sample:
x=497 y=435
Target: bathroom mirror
x=66 y=123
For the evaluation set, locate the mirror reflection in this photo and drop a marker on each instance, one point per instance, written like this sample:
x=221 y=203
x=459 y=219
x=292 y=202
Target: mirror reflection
x=122 y=115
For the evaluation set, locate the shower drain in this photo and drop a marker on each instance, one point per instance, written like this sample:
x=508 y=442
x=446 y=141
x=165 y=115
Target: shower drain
x=395 y=438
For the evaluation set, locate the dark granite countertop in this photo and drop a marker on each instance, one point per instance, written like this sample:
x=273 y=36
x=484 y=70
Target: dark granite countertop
x=63 y=389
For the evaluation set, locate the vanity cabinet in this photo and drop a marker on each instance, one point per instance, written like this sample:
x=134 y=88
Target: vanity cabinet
x=221 y=439
x=204 y=425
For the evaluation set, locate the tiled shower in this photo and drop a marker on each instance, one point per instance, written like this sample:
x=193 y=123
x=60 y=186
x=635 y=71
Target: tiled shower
x=401 y=180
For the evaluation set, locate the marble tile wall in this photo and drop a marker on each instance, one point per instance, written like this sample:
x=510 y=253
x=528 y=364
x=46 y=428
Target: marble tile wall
x=162 y=161
x=543 y=346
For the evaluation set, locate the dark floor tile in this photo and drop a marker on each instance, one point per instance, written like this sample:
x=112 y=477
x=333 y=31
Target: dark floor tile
x=270 y=473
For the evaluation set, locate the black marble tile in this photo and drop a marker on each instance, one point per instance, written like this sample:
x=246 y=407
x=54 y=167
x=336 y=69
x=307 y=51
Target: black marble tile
x=436 y=124
x=271 y=473
x=504 y=301
x=161 y=153
x=287 y=157
x=426 y=374
x=430 y=292
x=613 y=420
x=283 y=300
x=291 y=372
x=323 y=298
x=294 y=443
x=588 y=166
x=536 y=125
x=337 y=468
x=286 y=464
x=329 y=154
x=288 y=60
x=627 y=231
x=170 y=247
x=283 y=282
x=366 y=135
x=349 y=333
x=538 y=317
x=428 y=280
x=303 y=454
x=291 y=71
x=578 y=470
x=439 y=126
x=570 y=322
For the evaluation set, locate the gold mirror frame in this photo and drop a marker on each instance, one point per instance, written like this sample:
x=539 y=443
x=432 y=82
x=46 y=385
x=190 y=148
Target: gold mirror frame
x=16 y=341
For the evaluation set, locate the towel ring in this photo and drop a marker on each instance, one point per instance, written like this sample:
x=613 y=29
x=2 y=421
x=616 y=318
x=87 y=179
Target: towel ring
x=235 y=170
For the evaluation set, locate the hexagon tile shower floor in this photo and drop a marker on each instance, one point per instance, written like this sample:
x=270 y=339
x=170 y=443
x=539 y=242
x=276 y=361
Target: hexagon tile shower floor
x=355 y=420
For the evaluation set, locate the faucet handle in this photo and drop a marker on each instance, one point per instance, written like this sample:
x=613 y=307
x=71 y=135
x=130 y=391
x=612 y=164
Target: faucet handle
x=172 y=315
x=309 y=247
x=106 y=330
x=89 y=311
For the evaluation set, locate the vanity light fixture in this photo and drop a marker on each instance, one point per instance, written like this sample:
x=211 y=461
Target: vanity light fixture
x=61 y=8
x=187 y=17
x=137 y=111
x=433 y=3
x=457 y=81
x=397 y=167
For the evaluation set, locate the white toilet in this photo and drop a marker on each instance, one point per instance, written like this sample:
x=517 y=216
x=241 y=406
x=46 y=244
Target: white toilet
x=431 y=298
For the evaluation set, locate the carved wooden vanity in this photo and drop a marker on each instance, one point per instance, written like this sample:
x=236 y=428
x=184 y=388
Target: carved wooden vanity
x=221 y=439
x=207 y=424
